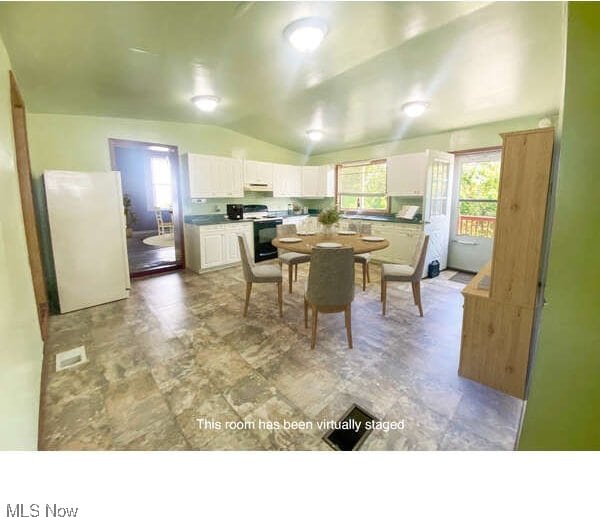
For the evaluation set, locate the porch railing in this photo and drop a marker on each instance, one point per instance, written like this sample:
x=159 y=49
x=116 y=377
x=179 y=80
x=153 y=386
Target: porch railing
x=476 y=225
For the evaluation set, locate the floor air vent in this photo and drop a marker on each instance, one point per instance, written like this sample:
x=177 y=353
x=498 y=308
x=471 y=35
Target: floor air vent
x=351 y=430
x=71 y=358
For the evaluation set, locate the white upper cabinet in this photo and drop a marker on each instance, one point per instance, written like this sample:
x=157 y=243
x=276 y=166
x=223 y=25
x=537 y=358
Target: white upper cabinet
x=199 y=170
x=287 y=180
x=407 y=174
x=229 y=182
x=213 y=176
x=329 y=172
x=258 y=175
x=314 y=181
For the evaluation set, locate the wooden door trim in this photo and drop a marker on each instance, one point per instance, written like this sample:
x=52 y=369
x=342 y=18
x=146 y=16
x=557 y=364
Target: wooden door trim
x=36 y=265
x=113 y=143
x=28 y=205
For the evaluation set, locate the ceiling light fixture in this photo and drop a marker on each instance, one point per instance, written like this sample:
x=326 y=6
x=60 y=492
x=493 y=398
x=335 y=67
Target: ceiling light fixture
x=306 y=34
x=314 y=135
x=206 y=103
x=415 y=108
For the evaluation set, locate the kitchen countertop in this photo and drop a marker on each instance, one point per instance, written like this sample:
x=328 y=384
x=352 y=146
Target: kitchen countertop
x=207 y=219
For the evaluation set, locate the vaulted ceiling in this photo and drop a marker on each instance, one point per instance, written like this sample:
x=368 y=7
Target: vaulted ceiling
x=474 y=62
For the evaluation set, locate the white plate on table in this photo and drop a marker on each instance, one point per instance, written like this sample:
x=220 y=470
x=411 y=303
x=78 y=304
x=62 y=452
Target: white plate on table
x=328 y=245
x=372 y=238
x=346 y=232
x=290 y=239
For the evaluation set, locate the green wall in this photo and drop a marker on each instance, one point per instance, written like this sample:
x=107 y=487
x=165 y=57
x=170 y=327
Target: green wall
x=485 y=135
x=20 y=340
x=563 y=410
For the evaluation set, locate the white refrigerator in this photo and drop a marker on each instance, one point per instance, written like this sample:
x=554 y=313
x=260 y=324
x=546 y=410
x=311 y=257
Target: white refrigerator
x=87 y=228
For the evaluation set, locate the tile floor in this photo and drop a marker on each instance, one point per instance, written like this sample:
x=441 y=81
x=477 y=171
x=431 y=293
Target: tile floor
x=143 y=257
x=178 y=350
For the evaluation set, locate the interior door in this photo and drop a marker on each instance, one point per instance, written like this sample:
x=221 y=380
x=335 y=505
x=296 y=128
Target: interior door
x=475 y=200
x=437 y=207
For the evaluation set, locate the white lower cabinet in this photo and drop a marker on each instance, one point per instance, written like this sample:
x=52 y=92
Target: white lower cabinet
x=402 y=239
x=215 y=245
x=212 y=249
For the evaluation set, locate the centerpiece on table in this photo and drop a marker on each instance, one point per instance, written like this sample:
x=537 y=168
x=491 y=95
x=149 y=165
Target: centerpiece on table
x=328 y=217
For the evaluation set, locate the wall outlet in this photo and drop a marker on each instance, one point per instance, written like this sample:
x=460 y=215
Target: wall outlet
x=199 y=201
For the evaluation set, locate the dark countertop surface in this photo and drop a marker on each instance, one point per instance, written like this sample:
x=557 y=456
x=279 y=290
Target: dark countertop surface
x=207 y=219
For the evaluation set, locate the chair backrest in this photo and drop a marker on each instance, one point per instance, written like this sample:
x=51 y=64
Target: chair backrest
x=158 y=216
x=353 y=227
x=331 y=277
x=286 y=230
x=418 y=260
x=247 y=262
x=365 y=228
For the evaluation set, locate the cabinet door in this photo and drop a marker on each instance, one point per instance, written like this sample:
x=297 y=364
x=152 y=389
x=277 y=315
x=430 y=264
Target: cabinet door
x=228 y=177
x=407 y=174
x=232 y=248
x=295 y=181
x=260 y=173
x=328 y=172
x=211 y=249
x=281 y=180
x=312 y=184
x=200 y=175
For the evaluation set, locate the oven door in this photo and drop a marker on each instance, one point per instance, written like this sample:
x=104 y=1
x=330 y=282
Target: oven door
x=264 y=233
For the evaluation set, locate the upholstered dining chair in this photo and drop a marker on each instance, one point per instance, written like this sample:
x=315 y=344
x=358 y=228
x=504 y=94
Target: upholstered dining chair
x=263 y=274
x=330 y=287
x=364 y=258
x=406 y=273
x=291 y=258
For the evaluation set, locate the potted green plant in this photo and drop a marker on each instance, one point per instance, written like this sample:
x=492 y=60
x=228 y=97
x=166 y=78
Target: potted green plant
x=130 y=217
x=328 y=217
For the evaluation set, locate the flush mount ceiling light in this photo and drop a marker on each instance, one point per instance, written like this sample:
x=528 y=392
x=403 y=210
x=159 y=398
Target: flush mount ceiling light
x=314 y=135
x=206 y=102
x=306 y=34
x=415 y=108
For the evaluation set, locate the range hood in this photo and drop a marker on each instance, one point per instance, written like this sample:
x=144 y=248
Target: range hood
x=258 y=187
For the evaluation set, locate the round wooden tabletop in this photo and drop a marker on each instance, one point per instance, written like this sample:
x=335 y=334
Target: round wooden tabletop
x=308 y=242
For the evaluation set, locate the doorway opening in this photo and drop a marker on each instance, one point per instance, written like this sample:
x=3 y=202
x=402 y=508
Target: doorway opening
x=475 y=200
x=152 y=204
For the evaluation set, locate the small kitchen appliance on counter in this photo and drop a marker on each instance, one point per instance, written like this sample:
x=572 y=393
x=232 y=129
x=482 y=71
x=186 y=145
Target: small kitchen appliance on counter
x=235 y=212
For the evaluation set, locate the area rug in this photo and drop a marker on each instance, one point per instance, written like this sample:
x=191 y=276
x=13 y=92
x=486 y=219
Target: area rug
x=165 y=240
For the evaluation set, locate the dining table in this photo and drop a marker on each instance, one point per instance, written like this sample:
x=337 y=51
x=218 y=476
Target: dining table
x=305 y=243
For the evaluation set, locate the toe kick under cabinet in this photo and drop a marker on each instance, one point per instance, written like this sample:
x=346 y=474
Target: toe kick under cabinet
x=502 y=301
x=214 y=245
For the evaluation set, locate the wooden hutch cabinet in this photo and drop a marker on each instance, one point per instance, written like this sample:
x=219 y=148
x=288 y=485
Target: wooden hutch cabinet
x=500 y=302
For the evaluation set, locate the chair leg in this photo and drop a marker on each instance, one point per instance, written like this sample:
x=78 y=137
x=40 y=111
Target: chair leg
x=417 y=291
x=414 y=292
x=348 y=317
x=305 y=313
x=383 y=295
x=248 y=291
x=364 y=271
x=290 y=273
x=296 y=272
x=315 y=317
x=280 y=298
x=368 y=274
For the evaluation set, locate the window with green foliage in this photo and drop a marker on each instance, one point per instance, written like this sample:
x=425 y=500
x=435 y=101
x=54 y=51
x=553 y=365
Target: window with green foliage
x=478 y=195
x=363 y=186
